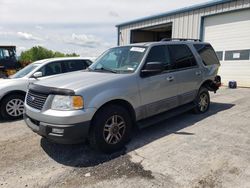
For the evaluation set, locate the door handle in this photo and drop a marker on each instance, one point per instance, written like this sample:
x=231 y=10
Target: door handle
x=170 y=78
x=198 y=73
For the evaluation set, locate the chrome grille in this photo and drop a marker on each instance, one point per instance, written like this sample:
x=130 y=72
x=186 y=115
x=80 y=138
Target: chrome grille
x=36 y=100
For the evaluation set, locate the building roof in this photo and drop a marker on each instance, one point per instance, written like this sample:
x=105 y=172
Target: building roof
x=177 y=11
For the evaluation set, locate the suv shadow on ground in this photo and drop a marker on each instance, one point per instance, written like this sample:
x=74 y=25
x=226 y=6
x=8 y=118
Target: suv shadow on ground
x=81 y=155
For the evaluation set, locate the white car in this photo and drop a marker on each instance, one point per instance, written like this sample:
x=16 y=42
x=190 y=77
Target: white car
x=13 y=89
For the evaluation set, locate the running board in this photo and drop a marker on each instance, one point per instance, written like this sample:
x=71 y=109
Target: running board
x=165 y=115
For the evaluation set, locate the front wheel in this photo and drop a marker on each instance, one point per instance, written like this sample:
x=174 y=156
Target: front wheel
x=110 y=129
x=202 y=101
x=12 y=107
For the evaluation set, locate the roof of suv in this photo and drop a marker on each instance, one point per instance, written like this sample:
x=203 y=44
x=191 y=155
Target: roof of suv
x=169 y=41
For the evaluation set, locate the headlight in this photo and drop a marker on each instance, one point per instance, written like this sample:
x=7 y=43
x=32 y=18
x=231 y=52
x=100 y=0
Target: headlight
x=61 y=102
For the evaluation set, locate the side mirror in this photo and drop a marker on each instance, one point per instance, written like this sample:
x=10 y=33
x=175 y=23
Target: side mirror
x=152 y=68
x=37 y=75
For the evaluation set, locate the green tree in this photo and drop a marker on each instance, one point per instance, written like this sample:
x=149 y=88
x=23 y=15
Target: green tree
x=37 y=53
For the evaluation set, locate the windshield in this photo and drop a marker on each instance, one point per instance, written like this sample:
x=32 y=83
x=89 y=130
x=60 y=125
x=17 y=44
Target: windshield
x=23 y=72
x=119 y=60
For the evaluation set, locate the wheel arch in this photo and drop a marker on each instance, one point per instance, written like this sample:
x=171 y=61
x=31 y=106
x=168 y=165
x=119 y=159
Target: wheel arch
x=119 y=102
x=20 y=92
x=209 y=84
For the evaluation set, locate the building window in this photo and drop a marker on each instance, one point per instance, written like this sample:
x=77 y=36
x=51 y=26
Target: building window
x=235 y=55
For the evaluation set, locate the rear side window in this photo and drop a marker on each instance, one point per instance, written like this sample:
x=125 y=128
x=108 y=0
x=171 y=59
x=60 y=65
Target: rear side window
x=182 y=56
x=75 y=65
x=207 y=54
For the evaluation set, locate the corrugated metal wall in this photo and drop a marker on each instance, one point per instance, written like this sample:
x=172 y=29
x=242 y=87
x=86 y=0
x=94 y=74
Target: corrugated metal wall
x=185 y=25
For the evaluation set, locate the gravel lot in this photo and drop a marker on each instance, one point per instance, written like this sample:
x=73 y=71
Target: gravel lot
x=209 y=150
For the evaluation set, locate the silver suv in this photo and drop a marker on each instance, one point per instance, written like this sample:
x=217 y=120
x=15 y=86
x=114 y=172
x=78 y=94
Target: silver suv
x=128 y=86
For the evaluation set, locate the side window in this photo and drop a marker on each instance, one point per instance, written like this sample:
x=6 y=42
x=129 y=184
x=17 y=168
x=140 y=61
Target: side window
x=160 y=54
x=207 y=54
x=52 y=69
x=4 y=54
x=75 y=65
x=182 y=56
x=1 y=54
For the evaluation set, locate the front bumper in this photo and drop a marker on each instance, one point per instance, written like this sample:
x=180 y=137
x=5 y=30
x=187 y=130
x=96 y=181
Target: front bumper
x=65 y=127
x=69 y=134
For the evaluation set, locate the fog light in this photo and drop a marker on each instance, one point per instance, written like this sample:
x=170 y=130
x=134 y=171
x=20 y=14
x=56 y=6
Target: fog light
x=57 y=131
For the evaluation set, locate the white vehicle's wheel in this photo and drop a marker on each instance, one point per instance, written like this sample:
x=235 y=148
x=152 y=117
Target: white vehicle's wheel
x=12 y=107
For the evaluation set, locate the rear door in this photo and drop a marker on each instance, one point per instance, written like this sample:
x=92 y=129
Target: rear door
x=187 y=72
x=158 y=92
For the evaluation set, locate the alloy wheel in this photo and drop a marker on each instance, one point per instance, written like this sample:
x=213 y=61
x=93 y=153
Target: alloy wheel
x=203 y=103
x=114 y=129
x=15 y=107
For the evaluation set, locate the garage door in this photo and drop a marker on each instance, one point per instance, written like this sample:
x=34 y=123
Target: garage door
x=229 y=33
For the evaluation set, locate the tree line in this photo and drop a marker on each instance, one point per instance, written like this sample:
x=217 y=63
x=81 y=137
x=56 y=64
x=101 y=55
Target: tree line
x=37 y=53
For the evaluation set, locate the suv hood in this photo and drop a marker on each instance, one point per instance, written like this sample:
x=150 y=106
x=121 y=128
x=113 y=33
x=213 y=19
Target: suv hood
x=79 y=80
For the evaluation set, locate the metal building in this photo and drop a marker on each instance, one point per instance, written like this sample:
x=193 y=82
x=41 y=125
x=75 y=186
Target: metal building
x=223 y=23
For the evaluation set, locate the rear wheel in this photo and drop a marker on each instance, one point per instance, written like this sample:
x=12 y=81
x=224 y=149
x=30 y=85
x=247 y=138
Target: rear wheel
x=202 y=101
x=12 y=107
x=110 y=129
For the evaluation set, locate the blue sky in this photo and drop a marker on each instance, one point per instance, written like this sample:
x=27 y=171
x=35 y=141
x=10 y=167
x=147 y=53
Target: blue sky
x=81 y=26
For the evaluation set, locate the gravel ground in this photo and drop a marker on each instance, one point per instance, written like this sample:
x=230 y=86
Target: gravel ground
x=209 y=150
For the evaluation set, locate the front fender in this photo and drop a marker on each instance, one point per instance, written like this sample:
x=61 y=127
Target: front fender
x=114 y=94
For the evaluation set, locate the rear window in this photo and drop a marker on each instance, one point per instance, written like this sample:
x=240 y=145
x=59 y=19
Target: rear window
x=207 y=54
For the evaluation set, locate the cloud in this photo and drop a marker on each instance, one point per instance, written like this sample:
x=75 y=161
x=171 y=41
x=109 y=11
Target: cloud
x=39 y=27
x=84 y=11
x=84 y=40
x=28 y=36
x=88 y=28
x=6 y=33
x=20 y=49
x=113 y=14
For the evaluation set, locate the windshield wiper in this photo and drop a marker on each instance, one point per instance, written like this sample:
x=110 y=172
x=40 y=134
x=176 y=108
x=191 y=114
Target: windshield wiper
x=106 y=69
x=89 y=69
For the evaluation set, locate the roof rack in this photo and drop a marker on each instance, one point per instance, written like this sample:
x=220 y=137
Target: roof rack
x=180 y=39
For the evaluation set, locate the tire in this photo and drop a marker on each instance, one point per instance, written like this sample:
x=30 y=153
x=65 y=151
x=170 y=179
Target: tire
x=12 y=107
x=202 y=101
x=106 y=125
